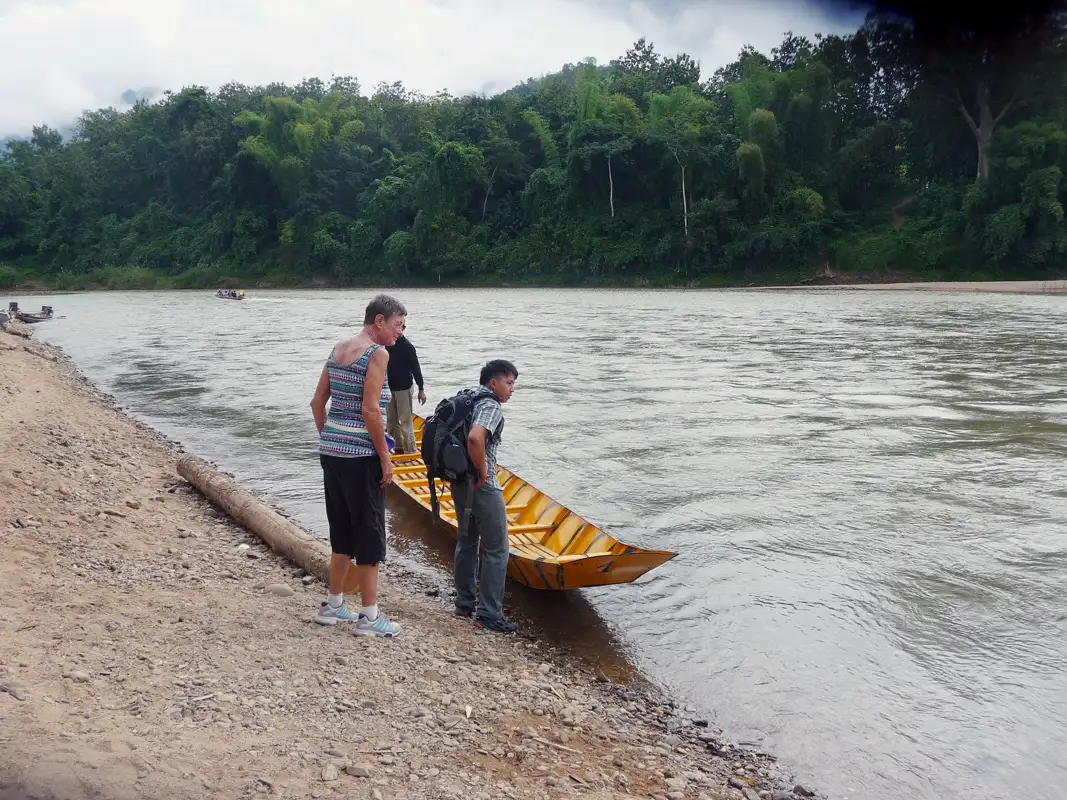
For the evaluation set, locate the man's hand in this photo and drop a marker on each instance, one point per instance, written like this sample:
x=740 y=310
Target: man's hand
x=476 y=451
x=387 y=471
x=422 y=397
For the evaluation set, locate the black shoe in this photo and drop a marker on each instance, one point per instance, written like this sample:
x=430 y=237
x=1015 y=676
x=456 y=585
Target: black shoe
x=496 y=625
x=464 y=612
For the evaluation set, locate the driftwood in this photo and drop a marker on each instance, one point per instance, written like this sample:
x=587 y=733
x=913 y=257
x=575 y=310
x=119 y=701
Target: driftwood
x=18 y=328
x=281 y=535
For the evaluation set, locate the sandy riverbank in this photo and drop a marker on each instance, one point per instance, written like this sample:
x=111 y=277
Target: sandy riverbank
x=998 y=287
x=144 y=653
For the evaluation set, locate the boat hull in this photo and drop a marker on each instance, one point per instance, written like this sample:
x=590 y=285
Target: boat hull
x=551 y=547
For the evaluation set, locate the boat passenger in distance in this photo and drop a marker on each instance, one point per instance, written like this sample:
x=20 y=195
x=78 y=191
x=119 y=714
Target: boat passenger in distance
x=487 y=521
x=403 y=366
x=356 y=467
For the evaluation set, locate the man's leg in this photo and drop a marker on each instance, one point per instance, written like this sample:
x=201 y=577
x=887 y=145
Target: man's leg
x=333 y=609
x=493 y=524
x=405 y=435
x=391 y=417
x=465 y=567
x=367 y=507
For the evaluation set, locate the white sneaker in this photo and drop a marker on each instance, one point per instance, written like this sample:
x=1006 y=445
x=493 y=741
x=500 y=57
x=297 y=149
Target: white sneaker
x=379 y=627
x=328 y=615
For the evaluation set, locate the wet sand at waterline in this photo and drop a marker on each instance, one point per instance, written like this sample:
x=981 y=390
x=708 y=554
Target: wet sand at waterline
x=150 y=648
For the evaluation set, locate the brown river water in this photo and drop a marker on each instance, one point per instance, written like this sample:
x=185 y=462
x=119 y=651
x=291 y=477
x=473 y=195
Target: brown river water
x=866 y=491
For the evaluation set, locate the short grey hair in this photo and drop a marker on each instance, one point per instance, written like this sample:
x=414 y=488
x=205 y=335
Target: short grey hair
x=386 y=305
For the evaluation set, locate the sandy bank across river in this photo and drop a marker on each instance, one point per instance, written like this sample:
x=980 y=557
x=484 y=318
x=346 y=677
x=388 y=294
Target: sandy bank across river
x=1000 y=287
x=150 y=648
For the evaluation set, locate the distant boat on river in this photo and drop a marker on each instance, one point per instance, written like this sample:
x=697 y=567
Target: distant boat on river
x=29 y=317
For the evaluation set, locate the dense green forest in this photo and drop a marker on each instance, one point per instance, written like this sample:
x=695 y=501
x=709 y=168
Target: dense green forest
x=905 y=150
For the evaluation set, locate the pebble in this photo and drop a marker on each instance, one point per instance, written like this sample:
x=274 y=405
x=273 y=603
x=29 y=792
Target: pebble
x=133 y=504
x=281 y=590
x=307 y=580
x=801 y=791
x=781 y=795
x=330 y=773
x=78 y=676
x=544 y=669
x=342 y=660
x=14 y=689
x=676 y=784
x=358 y=770
x=750 y=794
x=675 y=795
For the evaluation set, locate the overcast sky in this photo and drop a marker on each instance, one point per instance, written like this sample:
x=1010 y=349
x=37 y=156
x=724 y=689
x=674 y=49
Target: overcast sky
x=60 y=57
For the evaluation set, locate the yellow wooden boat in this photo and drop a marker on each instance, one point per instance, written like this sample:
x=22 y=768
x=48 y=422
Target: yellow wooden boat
x=551 y=546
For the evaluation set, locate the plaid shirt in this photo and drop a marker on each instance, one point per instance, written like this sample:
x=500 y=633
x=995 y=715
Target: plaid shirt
x=487 y=413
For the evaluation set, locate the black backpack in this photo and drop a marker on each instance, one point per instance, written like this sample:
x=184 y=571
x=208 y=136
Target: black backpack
x=444 y=440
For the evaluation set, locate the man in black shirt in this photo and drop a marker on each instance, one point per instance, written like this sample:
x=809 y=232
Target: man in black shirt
x=403 y=365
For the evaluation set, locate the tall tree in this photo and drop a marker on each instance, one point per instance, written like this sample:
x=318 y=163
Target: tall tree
x=988 y=60
x=606 y=123
x=676 y=121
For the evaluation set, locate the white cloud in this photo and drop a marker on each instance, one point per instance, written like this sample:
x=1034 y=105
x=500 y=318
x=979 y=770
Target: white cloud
x=60 y=57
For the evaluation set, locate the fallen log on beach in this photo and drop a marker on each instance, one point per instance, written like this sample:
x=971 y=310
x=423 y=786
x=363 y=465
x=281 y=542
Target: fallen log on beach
x=17 y=328
x=281 y=535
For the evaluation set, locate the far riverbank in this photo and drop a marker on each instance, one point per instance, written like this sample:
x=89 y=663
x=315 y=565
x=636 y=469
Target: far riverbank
x=1000 y=287
x=838 y=280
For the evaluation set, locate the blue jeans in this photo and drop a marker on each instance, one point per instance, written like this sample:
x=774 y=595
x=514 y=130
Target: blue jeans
x=487 y=525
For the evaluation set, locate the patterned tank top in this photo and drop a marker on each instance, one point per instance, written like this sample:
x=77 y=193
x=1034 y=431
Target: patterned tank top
x=345 y=434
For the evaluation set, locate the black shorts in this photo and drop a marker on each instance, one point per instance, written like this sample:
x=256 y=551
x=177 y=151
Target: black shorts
x=355 y=507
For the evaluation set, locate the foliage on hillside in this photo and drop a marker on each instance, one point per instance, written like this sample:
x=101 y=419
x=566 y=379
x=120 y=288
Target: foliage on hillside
x=867 y=152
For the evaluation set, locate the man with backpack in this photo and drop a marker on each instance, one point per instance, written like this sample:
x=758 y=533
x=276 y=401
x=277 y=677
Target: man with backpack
x=460 y=445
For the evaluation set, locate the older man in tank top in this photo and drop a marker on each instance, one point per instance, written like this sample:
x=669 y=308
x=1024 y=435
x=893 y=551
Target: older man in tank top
x=356 y=466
